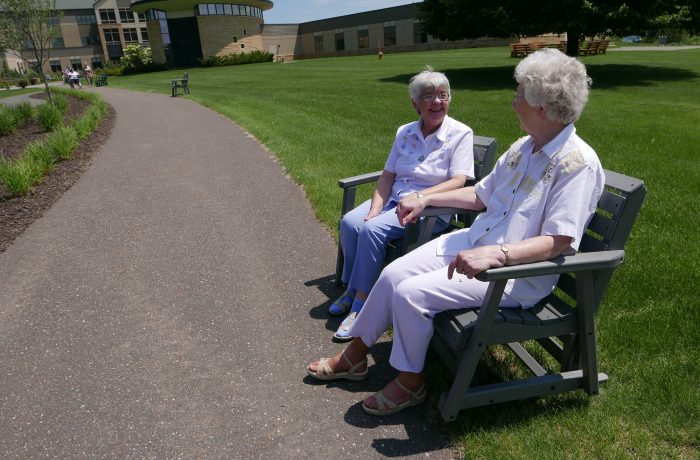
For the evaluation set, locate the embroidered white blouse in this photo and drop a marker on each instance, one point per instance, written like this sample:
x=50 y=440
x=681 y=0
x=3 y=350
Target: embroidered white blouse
x=553 y=191
x=422 y=162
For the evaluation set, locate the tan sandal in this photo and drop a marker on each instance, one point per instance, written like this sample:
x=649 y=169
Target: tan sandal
x=324 y=371
x=386 y=406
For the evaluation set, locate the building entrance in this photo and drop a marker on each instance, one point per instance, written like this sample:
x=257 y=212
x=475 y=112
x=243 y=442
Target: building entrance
x=184 y=39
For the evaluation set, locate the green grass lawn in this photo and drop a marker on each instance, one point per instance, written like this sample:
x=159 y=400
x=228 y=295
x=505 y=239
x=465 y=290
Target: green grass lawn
x=16 y=92
x=332 y=118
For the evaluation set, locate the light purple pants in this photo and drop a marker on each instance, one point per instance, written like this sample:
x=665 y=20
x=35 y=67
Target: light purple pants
x=364 y=243
x=408 y=294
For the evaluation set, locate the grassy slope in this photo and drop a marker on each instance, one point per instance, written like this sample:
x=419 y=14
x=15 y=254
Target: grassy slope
x=332 y=118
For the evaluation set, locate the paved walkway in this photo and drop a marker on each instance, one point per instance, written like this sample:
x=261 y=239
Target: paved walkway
x=167 y=304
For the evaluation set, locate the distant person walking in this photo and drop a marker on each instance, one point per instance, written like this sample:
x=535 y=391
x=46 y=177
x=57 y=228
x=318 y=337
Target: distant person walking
x=88 y=73
x=66 y=74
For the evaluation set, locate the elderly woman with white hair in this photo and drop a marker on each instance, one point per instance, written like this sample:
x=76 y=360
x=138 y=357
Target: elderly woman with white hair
x=537 y=200
x=431 y=155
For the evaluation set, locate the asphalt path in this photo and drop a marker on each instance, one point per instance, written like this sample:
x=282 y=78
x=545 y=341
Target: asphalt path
x=167 y=305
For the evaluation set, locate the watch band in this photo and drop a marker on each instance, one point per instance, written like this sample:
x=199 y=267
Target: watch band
x=505 y=251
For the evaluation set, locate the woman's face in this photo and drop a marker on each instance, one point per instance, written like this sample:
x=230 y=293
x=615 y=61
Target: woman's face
x=432 y=107
x=526 y=113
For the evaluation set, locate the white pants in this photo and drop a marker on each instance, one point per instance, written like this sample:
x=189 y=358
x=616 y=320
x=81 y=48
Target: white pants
x=408 y=294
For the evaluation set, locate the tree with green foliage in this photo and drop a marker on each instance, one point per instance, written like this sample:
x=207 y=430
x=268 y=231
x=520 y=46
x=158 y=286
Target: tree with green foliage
x=460 y=19
x=29 y=24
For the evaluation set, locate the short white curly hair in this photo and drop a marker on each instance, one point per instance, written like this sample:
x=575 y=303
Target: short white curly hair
x=553 y=80
x=428 y=81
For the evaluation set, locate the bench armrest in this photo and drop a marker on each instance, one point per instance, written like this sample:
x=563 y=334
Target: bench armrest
x=583 y=261
x=354 y=181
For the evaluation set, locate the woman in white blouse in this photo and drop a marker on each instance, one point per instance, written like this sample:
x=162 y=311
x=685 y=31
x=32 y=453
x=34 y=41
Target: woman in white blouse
x=431 y=155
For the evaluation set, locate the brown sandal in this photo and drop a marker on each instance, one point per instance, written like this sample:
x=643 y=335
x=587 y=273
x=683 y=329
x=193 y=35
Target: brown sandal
x=324 y=371
x=386 y=406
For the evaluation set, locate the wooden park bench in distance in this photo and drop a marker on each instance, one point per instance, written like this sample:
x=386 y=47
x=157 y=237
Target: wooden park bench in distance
x=101 y=80
x=562 y=324
x=181 y=83
x=484 y=160
x=518 y=49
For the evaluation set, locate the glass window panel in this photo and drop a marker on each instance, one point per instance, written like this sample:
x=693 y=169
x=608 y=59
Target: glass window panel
x=227 y=10
x=202 y=9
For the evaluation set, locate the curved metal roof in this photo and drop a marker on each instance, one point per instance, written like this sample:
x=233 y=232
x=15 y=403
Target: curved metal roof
x=141 y=6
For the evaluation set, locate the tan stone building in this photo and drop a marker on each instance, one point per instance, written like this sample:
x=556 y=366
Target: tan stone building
x=92 y=32
x=182 y=32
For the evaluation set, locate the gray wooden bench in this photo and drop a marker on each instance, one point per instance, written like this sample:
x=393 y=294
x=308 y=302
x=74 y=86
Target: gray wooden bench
x=181 y=83
x=485 y=152
x=563 y=324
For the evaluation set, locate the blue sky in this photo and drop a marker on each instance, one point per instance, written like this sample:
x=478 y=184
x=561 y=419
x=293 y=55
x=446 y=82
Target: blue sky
x=295 y=11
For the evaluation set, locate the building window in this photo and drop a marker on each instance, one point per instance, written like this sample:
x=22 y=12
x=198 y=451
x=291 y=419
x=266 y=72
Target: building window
x=390 y=33
x=108 y=17
x=235 y=40
x=318 y=42
x=419 y=33
x=76 y=64
x=53 y=20
x=362 y=37
x=96 y=63
x=339 y=40
x=57 y=42
x=242 y=45
x=130 y=35
x=55 y=66
x=155 y=15
x=144 y=35
x=111 y=35
x=227 y=9
x=84 y=19
x=126 y=15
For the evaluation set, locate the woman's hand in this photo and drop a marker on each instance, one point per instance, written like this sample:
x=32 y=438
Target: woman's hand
x=470 y=262
x=372 y=213
x=409 y=209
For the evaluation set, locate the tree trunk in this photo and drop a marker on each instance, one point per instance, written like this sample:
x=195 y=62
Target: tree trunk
x=572 y=39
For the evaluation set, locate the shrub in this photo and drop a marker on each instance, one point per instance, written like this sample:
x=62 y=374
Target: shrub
x=22 y=83
x=49 y=117
x=113 y=70
x=135 y=56
x=20 y=175
x=59 y=100
x=237 y=59
x=23 y=112
x=33 y=80
x=63 y=141
x=8 y=122
x=40 y=154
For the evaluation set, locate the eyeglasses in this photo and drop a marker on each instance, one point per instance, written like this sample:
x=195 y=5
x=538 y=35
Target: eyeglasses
x=430 y=97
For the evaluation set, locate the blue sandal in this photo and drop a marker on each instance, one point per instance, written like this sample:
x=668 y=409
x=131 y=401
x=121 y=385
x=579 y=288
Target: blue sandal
x=342 y=304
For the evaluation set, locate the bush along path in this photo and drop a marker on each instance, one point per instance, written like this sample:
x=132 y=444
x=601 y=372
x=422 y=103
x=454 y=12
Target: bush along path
x=43 y=151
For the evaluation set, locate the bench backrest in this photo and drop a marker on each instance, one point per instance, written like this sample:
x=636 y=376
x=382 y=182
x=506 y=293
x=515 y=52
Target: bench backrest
x=484 y=157
x=609 y=228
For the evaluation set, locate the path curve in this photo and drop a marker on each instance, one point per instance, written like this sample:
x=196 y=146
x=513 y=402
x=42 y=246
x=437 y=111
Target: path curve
x=167 y=304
